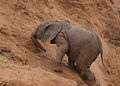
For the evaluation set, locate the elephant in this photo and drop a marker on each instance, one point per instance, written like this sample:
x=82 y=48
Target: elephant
x=80 y=43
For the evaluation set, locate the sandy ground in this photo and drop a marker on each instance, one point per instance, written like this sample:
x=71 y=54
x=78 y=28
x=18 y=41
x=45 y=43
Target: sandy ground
x=22 y=64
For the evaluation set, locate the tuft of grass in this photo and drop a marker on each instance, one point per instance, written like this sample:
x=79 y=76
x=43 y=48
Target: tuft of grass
x=3 y=58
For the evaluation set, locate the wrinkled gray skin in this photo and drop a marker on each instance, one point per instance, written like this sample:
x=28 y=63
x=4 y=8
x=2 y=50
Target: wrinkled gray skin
x=81 y=44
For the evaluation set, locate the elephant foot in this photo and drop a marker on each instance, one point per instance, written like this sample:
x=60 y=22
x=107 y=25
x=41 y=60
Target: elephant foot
x=88 y=77
x=58 y=71
x=95 y=85
x=92 y=83
x=58 y=67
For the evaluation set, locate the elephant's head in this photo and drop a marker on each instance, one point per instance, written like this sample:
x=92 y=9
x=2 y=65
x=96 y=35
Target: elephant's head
x=46 y=31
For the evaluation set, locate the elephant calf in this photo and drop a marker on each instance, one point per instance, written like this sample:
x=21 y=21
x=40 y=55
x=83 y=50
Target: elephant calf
x=81 y=44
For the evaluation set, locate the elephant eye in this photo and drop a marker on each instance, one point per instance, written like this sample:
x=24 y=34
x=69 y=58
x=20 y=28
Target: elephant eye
x=52 y=41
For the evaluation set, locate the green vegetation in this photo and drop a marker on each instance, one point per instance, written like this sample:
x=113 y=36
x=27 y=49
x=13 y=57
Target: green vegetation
x=3 y=58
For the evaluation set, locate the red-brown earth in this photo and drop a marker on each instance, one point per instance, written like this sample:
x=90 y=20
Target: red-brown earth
x=22 y=64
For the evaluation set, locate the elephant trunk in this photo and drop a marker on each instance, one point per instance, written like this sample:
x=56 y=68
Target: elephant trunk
x=35 y=41
x=41 y=47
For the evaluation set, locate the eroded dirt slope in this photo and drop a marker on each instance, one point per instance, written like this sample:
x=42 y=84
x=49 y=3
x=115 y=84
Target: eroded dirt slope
x=18 y=18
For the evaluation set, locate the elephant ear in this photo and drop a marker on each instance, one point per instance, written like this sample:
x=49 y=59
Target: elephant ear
x=48 y=31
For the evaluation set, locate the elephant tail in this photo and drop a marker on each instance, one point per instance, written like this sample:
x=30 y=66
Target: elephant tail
x=103 y=62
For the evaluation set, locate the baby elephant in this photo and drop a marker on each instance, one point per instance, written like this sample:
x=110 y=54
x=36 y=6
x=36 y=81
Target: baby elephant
x=81 y=44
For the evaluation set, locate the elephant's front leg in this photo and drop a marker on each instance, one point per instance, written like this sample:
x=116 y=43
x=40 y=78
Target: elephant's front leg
x=62 y=48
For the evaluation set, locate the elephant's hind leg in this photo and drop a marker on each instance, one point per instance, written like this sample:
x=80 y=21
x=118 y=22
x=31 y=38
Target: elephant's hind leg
x=71 y=63
x=88 y=77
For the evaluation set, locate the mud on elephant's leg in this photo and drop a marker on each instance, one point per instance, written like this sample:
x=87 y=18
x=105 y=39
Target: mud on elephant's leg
x=59 y=57
x=58 y=67
x=62 y=48
x=88 y=77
